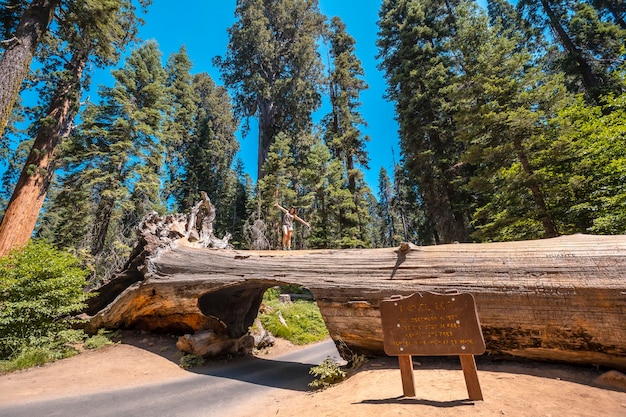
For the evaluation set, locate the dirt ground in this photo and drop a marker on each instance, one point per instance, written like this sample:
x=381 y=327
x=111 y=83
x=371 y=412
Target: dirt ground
x=527 y=389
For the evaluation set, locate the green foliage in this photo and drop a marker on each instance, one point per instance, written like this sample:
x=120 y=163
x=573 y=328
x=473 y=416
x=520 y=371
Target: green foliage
x=326 y=374
x=271 y=294
x=299 y=322
x=588 y=183
x=40 y=289
x=416 y=47
x=99 y=340
x=346 y=144
x=34 y=356
x=273 y=68
x=113 y=160
x=189 y=361
x=590 y=42
x=491 y=139
x=278 y=185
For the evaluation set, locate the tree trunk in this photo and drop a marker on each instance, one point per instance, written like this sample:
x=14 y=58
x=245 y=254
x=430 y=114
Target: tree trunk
x=555 y=299
x=266 y=132
x=535 y=190
x=100 y=226
x=590 y=81
x=15 y=62
x=27 y=199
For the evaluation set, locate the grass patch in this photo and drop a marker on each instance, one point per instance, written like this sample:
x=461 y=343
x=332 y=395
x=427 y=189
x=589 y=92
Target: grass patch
x=99 y=340
x=300 y=322
x=36 y=356
x=190 y=361
x=63 y=345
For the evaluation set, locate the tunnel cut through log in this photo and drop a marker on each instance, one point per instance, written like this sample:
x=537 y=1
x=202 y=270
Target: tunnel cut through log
x=235 y=306
x=558 y=299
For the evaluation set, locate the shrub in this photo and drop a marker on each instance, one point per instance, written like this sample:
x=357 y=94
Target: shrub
x=327 y=373
x=190 y=361
x=40 y=288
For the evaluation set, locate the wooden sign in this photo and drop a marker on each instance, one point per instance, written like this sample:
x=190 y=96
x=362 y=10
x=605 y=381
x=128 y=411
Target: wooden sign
x=432 y=324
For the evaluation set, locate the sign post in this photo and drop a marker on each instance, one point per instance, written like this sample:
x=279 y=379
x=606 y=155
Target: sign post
x=431 y=324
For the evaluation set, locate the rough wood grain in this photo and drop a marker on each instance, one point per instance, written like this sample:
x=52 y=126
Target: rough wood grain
x=556 y=299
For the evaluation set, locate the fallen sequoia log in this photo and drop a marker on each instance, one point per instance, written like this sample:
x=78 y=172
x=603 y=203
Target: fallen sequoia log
x=560 y=299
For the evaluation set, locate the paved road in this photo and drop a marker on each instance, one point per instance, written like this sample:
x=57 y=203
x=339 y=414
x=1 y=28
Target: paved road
x=212 y=392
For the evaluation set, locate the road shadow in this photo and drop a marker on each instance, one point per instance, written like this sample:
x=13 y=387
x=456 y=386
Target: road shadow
x=289 y=371
x=165 y=346
x=275 y=373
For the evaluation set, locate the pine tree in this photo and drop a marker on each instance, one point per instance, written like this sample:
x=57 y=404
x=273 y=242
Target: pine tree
x=118 y=150
x=408 y=213
x=273 y=68
x=90 y=32
x=413 y=44
x=238 y=211
x=327 y=199
x=387 y=226
x=501 y=104
x=591 y=47
x=208 y=157
x=615 y=9
x=342 y=134
x=180 y=126
x=68 y=214
x=277 y=185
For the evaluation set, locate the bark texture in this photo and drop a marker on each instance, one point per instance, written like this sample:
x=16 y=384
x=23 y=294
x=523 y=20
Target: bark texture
x=20 y=216
x=15 y=62
x=555 y=299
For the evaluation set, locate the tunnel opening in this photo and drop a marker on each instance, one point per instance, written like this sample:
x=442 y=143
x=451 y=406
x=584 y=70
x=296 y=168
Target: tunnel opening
x=283 y=310
x=291 y=312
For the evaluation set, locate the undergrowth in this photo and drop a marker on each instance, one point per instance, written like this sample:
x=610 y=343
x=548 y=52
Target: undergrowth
x=41 y=290
x=66 y=345
x=300 y=321
x=190 y=361
x=327 y=373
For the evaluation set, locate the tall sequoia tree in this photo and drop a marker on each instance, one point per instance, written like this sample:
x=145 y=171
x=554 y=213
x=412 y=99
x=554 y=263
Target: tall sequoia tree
x=179 y=126
x=413 y=44
x=273 y=68
x=88 y=31
x=19 y=51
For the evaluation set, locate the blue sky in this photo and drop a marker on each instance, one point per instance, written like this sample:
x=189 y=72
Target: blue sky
x=201 y=26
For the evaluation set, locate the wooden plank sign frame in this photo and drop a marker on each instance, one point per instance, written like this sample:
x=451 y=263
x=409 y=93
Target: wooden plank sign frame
x=431 y=324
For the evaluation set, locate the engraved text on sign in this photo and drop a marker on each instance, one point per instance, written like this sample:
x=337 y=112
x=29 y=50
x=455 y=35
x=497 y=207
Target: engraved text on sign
x=431 y=324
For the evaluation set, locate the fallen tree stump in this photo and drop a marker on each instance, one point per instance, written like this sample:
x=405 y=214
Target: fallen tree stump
x=561 y=299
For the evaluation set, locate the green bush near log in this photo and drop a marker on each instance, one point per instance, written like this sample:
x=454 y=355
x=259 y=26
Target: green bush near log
x=40 y=289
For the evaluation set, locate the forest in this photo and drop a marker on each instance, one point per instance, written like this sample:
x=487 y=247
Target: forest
x=511 y=125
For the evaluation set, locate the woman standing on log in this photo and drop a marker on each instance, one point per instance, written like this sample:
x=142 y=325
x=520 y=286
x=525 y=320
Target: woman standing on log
x=288 y=218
